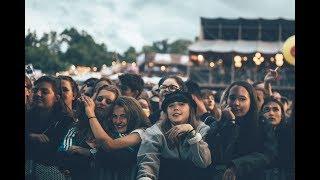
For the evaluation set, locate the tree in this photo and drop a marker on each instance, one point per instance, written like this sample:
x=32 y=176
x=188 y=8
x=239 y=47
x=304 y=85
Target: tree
x=130 y=55
x=161 y=46
x=31 y=39
x=149 y=50
x=46 y=53
x=43 y=59
x=38 y=53
x=180 y=46
x=82 y=49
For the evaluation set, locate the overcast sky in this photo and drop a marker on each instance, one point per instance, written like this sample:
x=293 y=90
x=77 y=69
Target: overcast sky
x=124 y=23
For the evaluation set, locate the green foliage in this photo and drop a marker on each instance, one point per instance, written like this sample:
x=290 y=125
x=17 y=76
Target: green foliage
x=149 y=50
x=31 y=39
x=180 y=46
x=43 y=59
x=44 y=53
x=81 y=50
x=161 y=46
x=130 y=55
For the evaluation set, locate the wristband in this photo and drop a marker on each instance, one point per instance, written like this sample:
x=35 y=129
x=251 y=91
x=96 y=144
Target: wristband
x=92 y=117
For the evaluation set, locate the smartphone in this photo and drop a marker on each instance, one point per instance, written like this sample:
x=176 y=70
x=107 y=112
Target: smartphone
x=29 y=69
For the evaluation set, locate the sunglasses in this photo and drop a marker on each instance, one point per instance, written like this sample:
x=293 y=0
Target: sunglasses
x=100 y=99
x=170 y=87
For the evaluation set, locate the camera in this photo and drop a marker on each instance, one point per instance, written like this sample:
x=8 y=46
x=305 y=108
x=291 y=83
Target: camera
x=29 y=70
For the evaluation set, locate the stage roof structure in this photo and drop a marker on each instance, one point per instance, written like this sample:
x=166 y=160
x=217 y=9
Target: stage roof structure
x=239 y=46
x=241 y=35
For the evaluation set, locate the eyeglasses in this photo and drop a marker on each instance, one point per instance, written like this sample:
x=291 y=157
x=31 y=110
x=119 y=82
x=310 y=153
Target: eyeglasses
x=100 y=99
x=121 y=116
x=171 y=87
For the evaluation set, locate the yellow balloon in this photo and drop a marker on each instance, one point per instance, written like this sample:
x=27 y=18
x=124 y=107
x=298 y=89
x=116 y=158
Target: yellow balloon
x=289 y=50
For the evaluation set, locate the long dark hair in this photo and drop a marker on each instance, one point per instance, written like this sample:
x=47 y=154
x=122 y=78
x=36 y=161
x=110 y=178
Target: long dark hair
x=135 y=114
x=216 y=111
x=267 y=101
x=252 y=115
x=29 y=86
x=58 y=111
x=83 y=126
x=56 y=88
x=250 y=137
x=165 y=125
x=75 y=89
x=90 y=82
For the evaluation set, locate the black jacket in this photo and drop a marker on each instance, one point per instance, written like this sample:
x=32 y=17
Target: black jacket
x=250 y=155
x=55 y=126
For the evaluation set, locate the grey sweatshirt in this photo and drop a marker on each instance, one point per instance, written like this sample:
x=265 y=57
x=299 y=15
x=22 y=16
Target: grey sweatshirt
x=154 y=145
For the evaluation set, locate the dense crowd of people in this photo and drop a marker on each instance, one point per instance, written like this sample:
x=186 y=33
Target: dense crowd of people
x=120 y=130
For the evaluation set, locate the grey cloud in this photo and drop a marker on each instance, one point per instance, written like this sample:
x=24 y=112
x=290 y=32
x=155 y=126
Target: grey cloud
x=149 y=20
x=143 y=3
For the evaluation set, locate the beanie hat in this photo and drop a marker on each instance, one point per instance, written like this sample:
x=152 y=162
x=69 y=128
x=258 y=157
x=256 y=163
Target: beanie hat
x=178 y=96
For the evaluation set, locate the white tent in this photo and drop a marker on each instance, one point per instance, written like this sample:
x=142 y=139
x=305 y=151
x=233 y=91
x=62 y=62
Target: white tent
x=240 y=46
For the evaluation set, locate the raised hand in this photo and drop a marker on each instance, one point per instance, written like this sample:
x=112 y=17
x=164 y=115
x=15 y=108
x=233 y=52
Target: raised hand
x=79 y=150
x=229 y=174
x=176 y=131
x=88 y=105
x=228 y=114
x=271 y=75
x=42 y=138
x=201 y=108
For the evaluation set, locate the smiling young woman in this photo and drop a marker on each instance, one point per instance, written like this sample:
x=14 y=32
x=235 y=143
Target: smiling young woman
x=119 y=137
x=177 y=139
